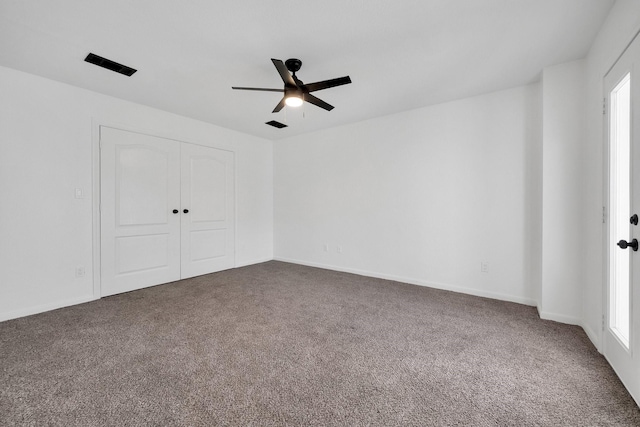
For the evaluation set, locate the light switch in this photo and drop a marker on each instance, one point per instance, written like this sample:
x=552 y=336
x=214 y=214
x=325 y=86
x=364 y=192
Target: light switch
x=79 y=193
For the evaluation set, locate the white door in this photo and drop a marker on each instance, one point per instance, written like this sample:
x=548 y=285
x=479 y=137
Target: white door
x=140 y=189
x=167 y=210
x=207 y=210
x=621 y=339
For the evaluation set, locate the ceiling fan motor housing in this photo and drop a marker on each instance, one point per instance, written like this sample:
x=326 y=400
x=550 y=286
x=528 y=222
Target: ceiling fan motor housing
x=295 y=91
x=293 y=64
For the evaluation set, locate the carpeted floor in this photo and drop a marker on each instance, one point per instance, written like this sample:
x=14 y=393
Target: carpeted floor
x=282 y=344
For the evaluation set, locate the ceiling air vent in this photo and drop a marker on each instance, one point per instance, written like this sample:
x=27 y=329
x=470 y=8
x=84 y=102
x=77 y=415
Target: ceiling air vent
x=109 y=64
x=276 y=124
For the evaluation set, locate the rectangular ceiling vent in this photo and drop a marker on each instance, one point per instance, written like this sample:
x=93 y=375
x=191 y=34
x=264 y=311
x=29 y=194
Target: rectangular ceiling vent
x=276 y=124
x=109 y=64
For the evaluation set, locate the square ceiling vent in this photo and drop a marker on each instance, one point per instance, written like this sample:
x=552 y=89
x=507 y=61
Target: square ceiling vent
x=276 y=124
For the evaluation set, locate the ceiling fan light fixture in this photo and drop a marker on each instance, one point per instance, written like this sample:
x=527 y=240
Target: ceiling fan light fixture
x=297 y=93
x=293 y=101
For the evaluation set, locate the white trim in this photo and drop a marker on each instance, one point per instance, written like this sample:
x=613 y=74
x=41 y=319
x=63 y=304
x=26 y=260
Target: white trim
x=45 y=307
x=95 y=204
x=562 y=318
x=595 y=338
x=599 y=340
x=604 y=284
x=160 y=134
x=635 y=33
x=253 y=262
x=412 y=281
x=235 y=208
x=96 y=124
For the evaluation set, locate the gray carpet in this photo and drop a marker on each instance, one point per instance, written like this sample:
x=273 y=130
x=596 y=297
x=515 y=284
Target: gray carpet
x=281 y=344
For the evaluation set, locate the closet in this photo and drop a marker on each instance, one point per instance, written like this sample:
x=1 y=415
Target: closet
x=166 y=210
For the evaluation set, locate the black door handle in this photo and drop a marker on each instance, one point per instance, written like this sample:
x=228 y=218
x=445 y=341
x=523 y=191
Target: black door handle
x=175 y=211
x=186 y=211
x=634 y=219
x=633 y=244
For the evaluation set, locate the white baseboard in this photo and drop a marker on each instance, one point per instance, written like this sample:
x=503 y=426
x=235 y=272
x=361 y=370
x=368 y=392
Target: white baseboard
x=255 y=261
x=570 y=320
x=595 y=338
x=60 y=304
x=44 y=307
x=412 y=281
x=493 y=295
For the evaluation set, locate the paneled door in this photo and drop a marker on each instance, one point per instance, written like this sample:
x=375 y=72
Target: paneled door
x=621 y=337
x=140 y=190
x=167 y=210
x=208 y=211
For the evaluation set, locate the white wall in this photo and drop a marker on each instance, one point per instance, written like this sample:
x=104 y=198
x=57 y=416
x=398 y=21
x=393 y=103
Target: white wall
x=562 y=225
x=387 y=190
x=46 y=153
x=423 y=196
x=617 y=32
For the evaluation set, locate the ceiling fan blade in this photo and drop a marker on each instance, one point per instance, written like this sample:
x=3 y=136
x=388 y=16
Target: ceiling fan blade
x=279 y=106
x=284 y=73
x=311 y=87
x=257 y=88
x=317 y=101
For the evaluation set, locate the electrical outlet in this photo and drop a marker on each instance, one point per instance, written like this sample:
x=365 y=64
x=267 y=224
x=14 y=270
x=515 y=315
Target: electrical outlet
x=339 y=249
x=80 y=271
x=484 y=267
x=326 y=247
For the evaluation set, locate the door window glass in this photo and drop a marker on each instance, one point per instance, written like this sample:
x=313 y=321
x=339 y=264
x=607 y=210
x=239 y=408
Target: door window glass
x=620 y=210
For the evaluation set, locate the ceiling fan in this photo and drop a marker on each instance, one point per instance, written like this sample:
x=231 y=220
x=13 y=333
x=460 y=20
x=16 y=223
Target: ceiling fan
x=295 y=91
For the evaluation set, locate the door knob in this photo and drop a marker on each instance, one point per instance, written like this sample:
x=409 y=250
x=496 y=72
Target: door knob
x=633 y=244
x=175 y=211
x=634 y=219
x=186 y=211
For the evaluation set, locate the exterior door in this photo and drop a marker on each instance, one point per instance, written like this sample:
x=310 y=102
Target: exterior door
x=621 y=339
x=208 y=210
x=140 y=189
x=167 y=210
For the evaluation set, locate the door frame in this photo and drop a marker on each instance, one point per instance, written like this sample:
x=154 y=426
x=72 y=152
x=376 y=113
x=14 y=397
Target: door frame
x=96 y=195
x=606 y=218
x=613 y=60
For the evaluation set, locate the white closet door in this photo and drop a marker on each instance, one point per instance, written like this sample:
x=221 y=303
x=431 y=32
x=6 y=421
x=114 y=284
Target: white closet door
x=140 y=189
x=208 y=217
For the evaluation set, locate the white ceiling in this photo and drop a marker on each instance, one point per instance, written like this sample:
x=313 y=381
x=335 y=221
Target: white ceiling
x=400 y=55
